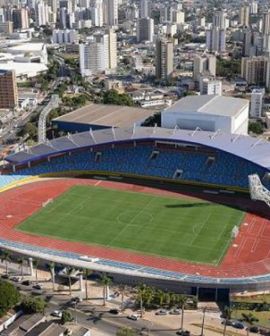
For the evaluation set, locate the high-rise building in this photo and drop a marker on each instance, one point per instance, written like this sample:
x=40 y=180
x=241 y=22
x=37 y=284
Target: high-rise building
x=20 y=18
x=216 y=40
x=219 y=19
x=111 y=12
x=64 y=36
x=112 y=49
x=266 y=23
x=253 y=7
x=254 y=69
x=256 y=103
x=96 y=7
x=210 y=86
x=205 y=64
x=244 y=15
x=164 y=58
x=42 y=13
x=8 y=89
x=99 y=54
x=145 y=30
x=144 y=9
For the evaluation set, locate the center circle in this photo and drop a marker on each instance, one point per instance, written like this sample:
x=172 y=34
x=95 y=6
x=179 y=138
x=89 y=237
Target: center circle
x=133 y=217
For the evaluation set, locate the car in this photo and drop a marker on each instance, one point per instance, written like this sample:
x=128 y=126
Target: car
x=254 y=329
x=228 y=322
x=134 y=317
x=15 y=279
x=37 y=286
x=56 y=313
x=183 y=332
x=162 y=312
x=26 y=283
x=5 y=276
x=238 y=325
x=175 y=311
x=114 y=311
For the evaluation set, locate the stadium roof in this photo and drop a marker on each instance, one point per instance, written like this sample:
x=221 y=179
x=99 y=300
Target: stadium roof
x=252 y=149
x=106 y=115
x=209 y=104
x=24 y=69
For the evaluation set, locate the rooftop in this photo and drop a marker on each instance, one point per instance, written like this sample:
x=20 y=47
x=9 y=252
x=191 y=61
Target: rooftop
x=24 y=69
x=27 y=47
x=106 y=115
x=209 y=104
x=252 y=149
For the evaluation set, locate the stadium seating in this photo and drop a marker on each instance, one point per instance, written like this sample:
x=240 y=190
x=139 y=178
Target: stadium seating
x=226 y=169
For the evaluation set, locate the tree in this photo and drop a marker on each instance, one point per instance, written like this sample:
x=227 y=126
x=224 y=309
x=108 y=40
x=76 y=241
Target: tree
x=183 y=301
x=5 y=257
x=125 y=331
x=227 y=316
x=31 y=130
x=106 y=282
x=86 y=273
x=21 y=262
x=114 y=98
x=153 y=120
x=249 y=319
x=35 y=265
x=69 y=272
x=66 y=317
x=52 y=271
x=32 y=305
x=9 y=297
x=255 y=127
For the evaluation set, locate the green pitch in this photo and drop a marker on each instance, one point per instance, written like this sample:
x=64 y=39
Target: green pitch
x=187 y=229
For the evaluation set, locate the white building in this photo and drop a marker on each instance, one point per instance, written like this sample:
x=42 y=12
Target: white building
x=29 y=52
x=64 y=36
x=99 y=54
x=111 y=12
x=144 y=9
x=256 y=103
x=42 y=13
x=204 y=64
x=145 y=30
x=209 y=113
x=210 y=86
x=96 y=8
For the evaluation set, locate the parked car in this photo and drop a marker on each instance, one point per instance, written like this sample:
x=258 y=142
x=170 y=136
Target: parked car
x=114 y=311
x=26 y=283
x=134 y=317
x=162 y=312
x=228 y=323
x=57 y=313
x=175 y=311
x=183 y=332
x=254 y=329
x=15 y=279
x=37 y=286
x=238 y=325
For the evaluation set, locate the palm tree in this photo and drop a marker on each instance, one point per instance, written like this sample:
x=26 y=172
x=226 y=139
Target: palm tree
x=69 y=272
x=21 y=261
x=227 y=316
x=35 y=264
x=5 y=257
x=86 y=273
x=106 y=282
x=122 y=289
x=182 y=301
x=52 y=271
x=249 y=319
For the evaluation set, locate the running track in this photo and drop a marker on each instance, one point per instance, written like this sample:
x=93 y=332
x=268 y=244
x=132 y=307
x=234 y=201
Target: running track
x=248 y=255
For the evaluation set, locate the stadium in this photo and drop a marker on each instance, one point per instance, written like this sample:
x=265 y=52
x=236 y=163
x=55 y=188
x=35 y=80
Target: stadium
x=148 y=204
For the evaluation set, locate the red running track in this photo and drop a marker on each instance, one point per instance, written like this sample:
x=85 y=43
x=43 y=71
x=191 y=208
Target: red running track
x=248 y=255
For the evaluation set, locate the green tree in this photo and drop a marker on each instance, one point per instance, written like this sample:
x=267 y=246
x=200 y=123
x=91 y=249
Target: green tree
x=114 y=98
x=182 y=301
x=32 y=305
x=153 y=120
x=255 y=127
x=124 y=331
x=227 y=313
x=250 y=319
x=51 y=267
x=66 y=317
x=105 y=282
x=69 y=272
x=9 y=297
x=31 y=130
x=86 y=273
x=5 y=257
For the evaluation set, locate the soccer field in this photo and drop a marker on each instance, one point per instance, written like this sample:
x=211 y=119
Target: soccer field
x=184 y=229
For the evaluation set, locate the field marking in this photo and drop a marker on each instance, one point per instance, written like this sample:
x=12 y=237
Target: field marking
x=97 y=183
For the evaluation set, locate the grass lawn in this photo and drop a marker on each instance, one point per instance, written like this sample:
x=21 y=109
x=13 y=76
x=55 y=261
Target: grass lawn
x=186 y=229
